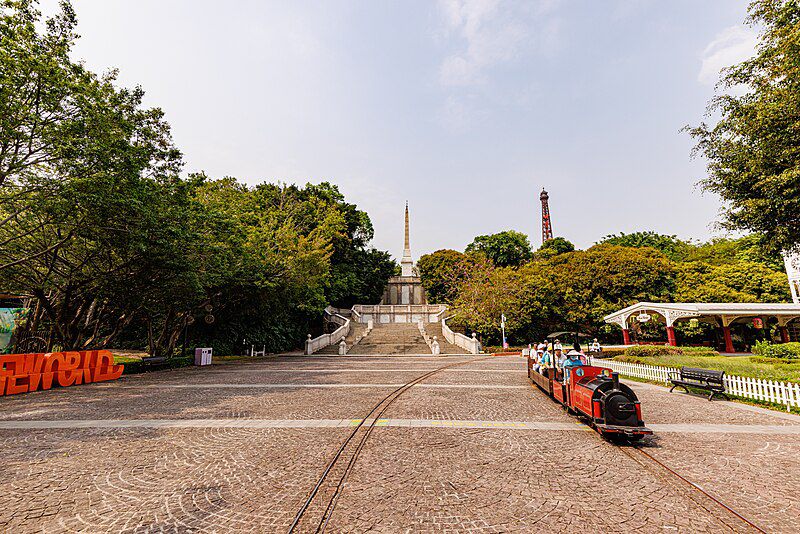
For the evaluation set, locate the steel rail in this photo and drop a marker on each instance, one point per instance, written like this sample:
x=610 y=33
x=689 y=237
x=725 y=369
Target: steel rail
x=386 y=401
x=695 y=487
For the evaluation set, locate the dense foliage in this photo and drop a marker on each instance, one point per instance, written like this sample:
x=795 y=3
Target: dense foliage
x=507 y=248
x=783 y=351
x=569 y=290
x=113 y=247
x=753 y=151
x=554 y=247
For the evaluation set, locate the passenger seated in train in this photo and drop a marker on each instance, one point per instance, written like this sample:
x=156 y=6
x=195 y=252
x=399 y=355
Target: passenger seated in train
x=573 y=360
x=545 y=361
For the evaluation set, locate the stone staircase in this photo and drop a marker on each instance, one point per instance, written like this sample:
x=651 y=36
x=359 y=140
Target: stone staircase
x=435 y=329
x=356 y=330
x=395 y=338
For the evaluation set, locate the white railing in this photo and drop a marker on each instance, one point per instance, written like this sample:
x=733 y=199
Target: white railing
x=786 y=393
x=319 y=343
x=469 y=344
x=428 y=339
x=398 y=313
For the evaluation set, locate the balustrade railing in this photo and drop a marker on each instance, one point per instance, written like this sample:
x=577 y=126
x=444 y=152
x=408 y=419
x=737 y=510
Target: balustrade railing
x=325 y=340
x=469 y=344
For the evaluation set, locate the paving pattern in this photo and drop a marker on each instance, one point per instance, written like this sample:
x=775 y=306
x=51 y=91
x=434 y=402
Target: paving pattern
x=238 y=447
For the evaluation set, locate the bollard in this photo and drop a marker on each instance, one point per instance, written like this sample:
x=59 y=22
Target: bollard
x=435 y=348
x=342 y=348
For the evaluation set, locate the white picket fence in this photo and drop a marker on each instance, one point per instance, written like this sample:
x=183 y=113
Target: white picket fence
x=786 y=393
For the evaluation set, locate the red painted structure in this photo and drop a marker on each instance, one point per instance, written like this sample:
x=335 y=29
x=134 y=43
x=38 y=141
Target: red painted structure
x=626 y=336
x=671 y=336
x=547 y=225
x=784 y=334
x=726 y=333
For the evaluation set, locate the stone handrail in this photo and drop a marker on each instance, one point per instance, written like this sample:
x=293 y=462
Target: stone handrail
x=428 y=340
x=399 y=313
x=469 y=344
x=320 y=342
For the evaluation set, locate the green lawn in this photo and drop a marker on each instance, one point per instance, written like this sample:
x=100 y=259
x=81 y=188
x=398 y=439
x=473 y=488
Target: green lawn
x=732 y=365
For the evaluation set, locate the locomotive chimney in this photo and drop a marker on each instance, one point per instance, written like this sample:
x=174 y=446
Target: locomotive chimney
x=615 y=380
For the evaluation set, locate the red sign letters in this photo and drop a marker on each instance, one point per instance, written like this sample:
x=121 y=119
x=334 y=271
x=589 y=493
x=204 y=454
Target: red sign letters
x=21 y=373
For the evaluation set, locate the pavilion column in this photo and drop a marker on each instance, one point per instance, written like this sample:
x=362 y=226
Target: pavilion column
x=626 y=336
x=784 y=330
x=726 y=333
x=671 y=340
x=670 y=317
x=783 y=327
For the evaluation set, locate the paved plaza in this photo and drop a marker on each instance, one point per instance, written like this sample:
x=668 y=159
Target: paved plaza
x=239 y=446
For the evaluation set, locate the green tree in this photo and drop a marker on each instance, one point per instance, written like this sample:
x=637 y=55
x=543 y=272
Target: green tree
x=672 y=247
x=554 y=247
x=753 y=151
x=442 y=272
x=507 y=248
x=741 y=281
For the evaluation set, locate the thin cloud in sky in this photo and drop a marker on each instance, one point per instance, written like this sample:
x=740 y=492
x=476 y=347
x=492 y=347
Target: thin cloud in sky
x=730 y=46
x=490 y=32
x=483 y=35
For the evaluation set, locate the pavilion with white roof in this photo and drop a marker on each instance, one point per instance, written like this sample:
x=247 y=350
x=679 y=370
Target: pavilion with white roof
x=719 y=314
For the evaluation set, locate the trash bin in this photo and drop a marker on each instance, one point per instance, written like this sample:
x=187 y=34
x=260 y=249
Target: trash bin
x=202 y=356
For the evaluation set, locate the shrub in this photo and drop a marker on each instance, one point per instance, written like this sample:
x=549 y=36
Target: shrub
x=613 y=352
x=650 y=351
x=784 y=351
x=137 y=367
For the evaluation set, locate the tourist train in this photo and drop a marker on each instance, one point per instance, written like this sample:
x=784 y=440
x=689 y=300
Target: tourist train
x=595 y=394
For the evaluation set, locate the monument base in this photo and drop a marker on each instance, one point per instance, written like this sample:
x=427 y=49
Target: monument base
x=404 y=290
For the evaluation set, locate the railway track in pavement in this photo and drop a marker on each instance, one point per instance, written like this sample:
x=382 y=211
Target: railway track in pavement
x=316 y=511
x=656 y=466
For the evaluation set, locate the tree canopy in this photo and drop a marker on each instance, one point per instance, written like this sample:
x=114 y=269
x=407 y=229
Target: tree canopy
x=753 y=151
x=554 y=247
x=504 y=249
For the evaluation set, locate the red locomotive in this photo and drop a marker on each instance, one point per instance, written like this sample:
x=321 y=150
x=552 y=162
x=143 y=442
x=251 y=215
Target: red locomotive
x=595 y=394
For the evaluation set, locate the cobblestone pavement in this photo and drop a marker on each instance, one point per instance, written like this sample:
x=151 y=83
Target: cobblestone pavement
x=237 y=447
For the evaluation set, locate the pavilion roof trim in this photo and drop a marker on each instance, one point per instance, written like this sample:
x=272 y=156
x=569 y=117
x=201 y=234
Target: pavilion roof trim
x=699 y=309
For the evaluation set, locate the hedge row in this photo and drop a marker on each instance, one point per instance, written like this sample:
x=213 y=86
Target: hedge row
x=783 y=351
x=652 y=351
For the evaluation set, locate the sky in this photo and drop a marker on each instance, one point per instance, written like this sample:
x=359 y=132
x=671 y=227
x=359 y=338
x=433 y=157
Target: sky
x=466 y=109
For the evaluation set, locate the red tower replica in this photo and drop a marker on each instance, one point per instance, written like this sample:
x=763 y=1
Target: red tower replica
x=547 y=227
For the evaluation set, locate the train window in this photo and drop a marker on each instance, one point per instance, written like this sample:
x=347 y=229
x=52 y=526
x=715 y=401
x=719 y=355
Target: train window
x=579 y=371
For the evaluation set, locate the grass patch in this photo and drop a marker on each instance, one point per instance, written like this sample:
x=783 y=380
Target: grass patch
x=125 y=359
x=732 y=365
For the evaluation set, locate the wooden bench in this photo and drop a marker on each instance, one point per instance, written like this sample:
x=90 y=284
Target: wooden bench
x=155 y=362
x=707 y=379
